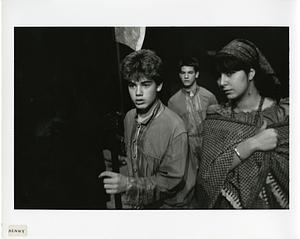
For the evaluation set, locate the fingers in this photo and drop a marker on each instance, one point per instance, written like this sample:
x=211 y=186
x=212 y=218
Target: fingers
x=111 y=191
x=273 y=132
x=107 y=174
x=276 y=136
x=111 y=180
x=114 y=182
x=111 y=186
x=271 y=138
x=264 y=126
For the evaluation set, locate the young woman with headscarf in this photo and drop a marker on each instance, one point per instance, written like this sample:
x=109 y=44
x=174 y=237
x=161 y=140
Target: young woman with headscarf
x=245 y=154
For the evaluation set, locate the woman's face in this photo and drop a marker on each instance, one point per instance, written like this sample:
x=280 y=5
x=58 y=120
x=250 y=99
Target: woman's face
x=234 y=85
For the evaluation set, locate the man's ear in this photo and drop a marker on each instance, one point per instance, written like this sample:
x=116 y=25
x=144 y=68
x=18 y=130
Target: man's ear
x=251 y=74
x=197 y=74
x=159 y=87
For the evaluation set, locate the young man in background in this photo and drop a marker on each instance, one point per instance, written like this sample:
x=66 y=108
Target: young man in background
x=191 y=103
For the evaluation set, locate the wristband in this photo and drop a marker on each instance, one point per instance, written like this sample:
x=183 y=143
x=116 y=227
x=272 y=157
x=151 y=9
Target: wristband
x=129 y=183
x=238 y=154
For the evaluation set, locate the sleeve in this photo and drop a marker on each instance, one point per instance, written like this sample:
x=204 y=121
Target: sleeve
x=248 y=177
x=166 y=182
x=214 y=168
x=125 y=125
x=213 y=100
x=127 y=129
x=219 y=139
x=171 y=104
x=279 y=165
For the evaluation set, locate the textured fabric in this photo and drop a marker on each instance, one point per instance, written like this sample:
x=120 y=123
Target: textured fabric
x=260 y=181
x=158 y=170
x=249 y=53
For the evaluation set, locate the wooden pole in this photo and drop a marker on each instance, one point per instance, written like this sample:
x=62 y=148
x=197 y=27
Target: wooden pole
x=115 y=148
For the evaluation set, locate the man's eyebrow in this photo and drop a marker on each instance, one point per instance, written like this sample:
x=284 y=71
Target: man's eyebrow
x=146 y=81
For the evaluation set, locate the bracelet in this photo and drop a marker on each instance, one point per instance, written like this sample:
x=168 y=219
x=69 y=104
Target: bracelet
x=129 y=183
x=237 y=153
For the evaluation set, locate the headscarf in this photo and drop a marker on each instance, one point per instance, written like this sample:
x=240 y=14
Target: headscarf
x=249 y=53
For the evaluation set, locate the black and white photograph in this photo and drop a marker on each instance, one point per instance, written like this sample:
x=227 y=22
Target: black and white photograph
x=72 y=149
x=111 y=128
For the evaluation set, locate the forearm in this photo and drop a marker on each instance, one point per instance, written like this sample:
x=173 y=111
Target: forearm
x=243 y=151
x=148 y=190
x=165 y=181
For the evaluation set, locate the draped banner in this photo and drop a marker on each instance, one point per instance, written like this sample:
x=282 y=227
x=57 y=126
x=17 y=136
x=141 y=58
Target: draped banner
x=131 y=36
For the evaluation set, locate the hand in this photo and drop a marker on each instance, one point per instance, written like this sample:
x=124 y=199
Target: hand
x=265 y=139
x=114 y=182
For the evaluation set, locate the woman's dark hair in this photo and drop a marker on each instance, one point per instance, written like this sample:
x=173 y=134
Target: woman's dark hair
x=142 y=63
x=225 y=63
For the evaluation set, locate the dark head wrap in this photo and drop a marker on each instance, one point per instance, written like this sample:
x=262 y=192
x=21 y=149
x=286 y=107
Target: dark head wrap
x=248 y=52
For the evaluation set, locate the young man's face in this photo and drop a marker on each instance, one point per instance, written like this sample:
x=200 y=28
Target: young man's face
x=188 y=76
x=143 y=93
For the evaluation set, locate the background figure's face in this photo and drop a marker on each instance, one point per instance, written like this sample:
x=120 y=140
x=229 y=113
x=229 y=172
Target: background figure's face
x=143 y=93
x=188 y=76
x=235 y=85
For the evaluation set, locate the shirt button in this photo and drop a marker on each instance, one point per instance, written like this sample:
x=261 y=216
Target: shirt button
x=134 y=156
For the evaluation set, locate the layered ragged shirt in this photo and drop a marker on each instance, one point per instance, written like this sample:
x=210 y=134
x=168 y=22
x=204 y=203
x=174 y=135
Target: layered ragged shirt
x=157 y=154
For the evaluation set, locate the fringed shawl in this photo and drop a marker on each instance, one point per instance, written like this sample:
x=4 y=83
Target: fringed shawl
x=261 y=181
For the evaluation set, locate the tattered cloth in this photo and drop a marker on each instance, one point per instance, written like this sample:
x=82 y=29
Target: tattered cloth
x=260 y=181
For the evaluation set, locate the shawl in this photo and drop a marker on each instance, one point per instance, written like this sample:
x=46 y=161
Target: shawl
x=260 y=181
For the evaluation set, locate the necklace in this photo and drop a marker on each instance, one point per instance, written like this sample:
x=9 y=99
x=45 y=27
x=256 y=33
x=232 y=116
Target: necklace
x=257 y=114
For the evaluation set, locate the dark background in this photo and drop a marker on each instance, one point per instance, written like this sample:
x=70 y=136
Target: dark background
x=67 y=93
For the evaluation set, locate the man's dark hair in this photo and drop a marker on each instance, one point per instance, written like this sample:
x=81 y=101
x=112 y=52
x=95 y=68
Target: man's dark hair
x=189 y=61
x=142 y=63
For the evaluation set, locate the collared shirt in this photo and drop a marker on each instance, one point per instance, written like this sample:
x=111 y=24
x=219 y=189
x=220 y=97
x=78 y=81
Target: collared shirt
x=157 y=151
x=154 y=111
x=191 y=107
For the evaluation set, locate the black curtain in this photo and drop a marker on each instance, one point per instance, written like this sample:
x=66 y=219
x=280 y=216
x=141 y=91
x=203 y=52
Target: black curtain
x=66 y=82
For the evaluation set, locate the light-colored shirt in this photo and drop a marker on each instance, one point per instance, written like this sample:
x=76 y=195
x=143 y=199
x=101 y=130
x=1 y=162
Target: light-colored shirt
x=157 y=154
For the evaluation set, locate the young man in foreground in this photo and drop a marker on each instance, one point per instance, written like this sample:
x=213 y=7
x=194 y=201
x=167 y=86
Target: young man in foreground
x=156 y=142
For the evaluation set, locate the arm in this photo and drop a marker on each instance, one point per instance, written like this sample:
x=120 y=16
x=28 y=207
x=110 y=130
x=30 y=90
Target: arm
x=166 y=182
x=263 y=140
x=171 y=105
x=219 y=158
x=213 y=100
